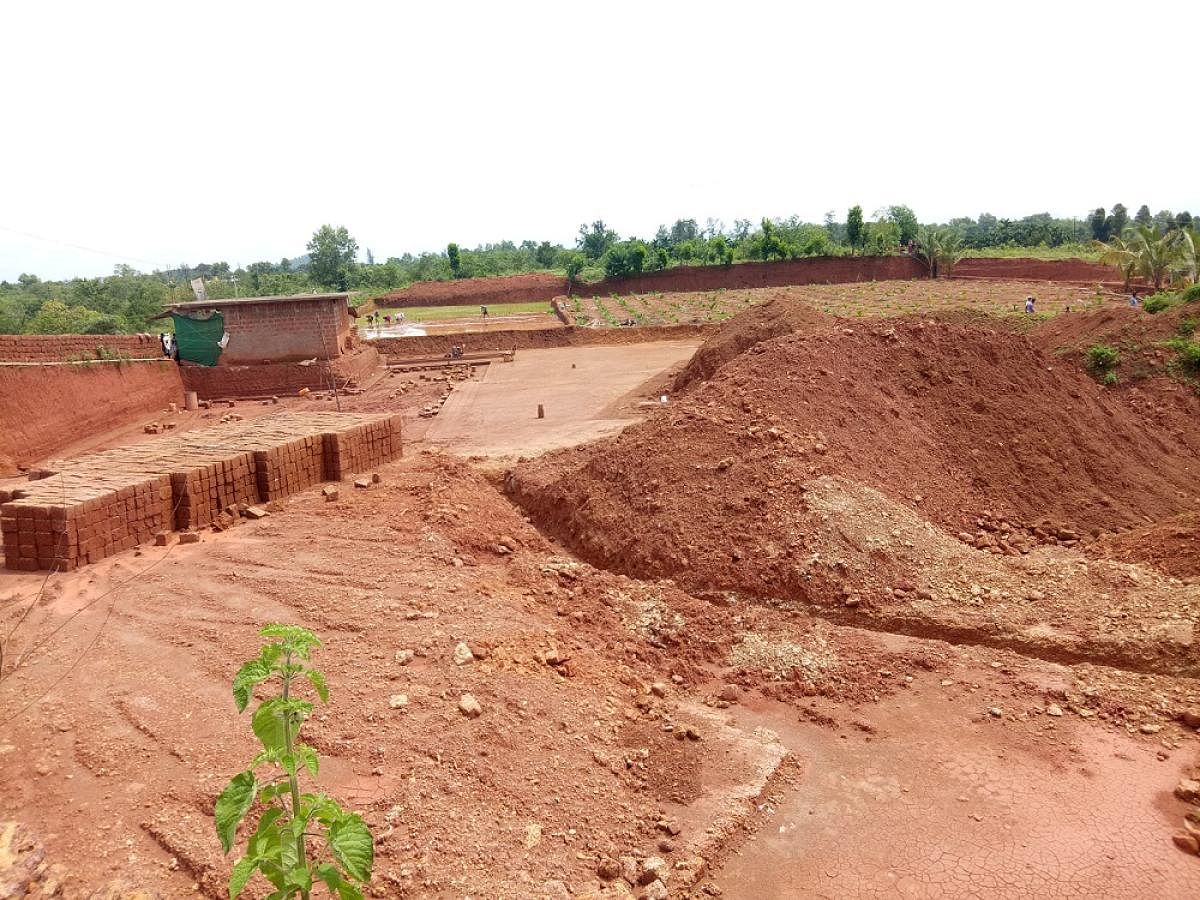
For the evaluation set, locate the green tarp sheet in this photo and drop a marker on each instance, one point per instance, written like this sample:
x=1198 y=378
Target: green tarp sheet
x=198 y=336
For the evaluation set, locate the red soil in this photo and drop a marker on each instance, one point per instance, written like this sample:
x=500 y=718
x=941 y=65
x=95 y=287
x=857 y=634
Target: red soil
x=965 y=423
x=1172 y=546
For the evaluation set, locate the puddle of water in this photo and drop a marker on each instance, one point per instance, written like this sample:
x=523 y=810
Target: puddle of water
x=401 y=330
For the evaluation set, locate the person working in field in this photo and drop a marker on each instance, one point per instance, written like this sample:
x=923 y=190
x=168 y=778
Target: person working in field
x=1029 y=302
x=483 y=311
x=1134 y=299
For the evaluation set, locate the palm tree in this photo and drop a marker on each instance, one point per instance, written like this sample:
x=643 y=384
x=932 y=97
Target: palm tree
x=939 y=249
x=1119 y=253
x=1154 y=251
x=1188 y=248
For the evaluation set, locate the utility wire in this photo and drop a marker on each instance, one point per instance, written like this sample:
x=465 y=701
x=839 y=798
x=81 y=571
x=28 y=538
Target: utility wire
x=38 y=237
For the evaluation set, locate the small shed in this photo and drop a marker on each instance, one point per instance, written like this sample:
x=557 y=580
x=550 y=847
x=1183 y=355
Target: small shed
x=249 y=330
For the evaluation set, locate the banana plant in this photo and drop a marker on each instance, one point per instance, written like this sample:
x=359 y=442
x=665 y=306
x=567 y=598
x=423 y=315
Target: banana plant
x=301 y=839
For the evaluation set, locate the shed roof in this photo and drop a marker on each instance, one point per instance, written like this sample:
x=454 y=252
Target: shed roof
x=246 y=301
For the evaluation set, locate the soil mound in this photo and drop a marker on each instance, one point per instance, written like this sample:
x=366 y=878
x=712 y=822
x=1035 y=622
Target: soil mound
x=977 y=429
x=1137 y=334
x=777 y=317
x=1172 y=546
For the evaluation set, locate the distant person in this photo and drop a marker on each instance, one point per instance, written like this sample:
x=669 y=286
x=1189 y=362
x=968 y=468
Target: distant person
x=483 y=311
x=387 y=320
x=1134 y=299
x=167 y=340
x=1029 y=302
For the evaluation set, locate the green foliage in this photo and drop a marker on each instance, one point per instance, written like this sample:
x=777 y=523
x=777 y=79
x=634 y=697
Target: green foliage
x=1189 y=356
x=331 y=255
x=1102 y=357
x=455 y=260
x=280 y=847
x=1156 y=303
x=1186 y=328
x=856 y=233
x=906 y=222
x=573 y=265
x=1111 y=378
x=939 y=248
x=595 y=242
x=625 y=259
x=1190 y=294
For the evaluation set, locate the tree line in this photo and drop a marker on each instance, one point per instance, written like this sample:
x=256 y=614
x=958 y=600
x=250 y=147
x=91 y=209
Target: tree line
x=128 y=300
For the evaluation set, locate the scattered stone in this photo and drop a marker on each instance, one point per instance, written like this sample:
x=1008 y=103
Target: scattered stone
x=996 y=712
x=1188 y=789
x=658 y=689
x=1054 y=710
x=730 y=693
x=362 y=483
x=653 y=868
x=330 y=494
x=462 y=654
x=533 y=835
x=1149 y=728
x=629 y=869
x=255 y=512
x=667 y=826
x=398 y=700
x=189 y=537
x=376 y=478
x=666 y=845
x=655 y=890
x=162 y=539
x=404 y=657
x=1190 y=718
x=469 y=706
x=608 y=868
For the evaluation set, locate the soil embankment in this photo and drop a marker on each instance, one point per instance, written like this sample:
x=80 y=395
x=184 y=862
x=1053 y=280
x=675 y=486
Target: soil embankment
x=536 y=339
x=921 y=424
x=44 y=408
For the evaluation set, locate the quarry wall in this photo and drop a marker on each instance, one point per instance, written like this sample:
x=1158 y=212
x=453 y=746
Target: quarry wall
x=37 y=348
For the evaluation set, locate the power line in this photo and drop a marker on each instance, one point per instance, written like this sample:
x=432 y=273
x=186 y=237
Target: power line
x=108 y=253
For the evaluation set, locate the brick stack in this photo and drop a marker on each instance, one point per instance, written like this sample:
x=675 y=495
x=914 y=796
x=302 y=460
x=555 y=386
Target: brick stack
x=71 y=519
x=358 y=449
x=93 y=506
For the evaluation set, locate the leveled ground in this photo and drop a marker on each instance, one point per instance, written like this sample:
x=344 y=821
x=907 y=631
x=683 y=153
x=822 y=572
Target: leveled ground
x=853 y=300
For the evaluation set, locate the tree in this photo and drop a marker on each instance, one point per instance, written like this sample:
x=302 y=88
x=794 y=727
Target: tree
x=1183 y=219
x=455 y=259
x=1098 y=222
x=1143 y=217
x=939 y=248
x=544 y=254
x=331 y=255
x=1119 y=253
x=1154 y=252
x=1189 y=253
x=370 y=257
x=1118 y=220
x=767 y=244
x=719 y=251
x=625 y=259
x=856 y=233
x=573 y=264
x=684 y=230
x=906 y=221
x=594 y=242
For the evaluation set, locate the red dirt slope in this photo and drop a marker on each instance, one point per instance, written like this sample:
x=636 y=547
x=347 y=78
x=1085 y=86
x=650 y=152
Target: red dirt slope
x=965 y=423
x=777 y=317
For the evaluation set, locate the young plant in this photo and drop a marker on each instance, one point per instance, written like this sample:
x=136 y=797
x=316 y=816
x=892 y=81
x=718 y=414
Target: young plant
x=1102 y=357
x=281 y=846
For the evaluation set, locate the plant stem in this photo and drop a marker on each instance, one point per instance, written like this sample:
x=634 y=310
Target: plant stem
x=292 y=782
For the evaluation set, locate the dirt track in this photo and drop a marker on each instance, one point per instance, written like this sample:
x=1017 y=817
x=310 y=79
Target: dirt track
x=796 y=744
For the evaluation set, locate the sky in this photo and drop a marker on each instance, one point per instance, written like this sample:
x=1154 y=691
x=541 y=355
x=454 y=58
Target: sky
x=160 y=133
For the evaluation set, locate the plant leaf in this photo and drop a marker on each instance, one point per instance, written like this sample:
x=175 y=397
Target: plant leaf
x=268 y=724
x=250 y=674
x=318 y=683
x=352 y=846
x=309 y=756
x=333 y=879
x=233 y=804
x=242 y=870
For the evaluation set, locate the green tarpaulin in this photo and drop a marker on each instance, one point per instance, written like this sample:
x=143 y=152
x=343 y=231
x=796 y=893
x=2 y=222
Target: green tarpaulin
x=198 y=336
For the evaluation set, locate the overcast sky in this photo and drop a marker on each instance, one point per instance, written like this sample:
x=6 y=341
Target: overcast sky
x=163 y=133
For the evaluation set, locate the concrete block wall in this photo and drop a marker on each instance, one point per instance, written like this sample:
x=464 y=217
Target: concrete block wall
x=285 y=331
x=49 y=348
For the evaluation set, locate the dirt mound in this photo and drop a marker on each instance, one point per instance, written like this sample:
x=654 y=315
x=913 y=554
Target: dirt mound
x=974 y=429
x=779 y=316
x=1137 y=334
x=1172 y=546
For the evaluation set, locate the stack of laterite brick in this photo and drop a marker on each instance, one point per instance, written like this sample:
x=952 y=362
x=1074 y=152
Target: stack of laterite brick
x=97 y=505
x=74 y=518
